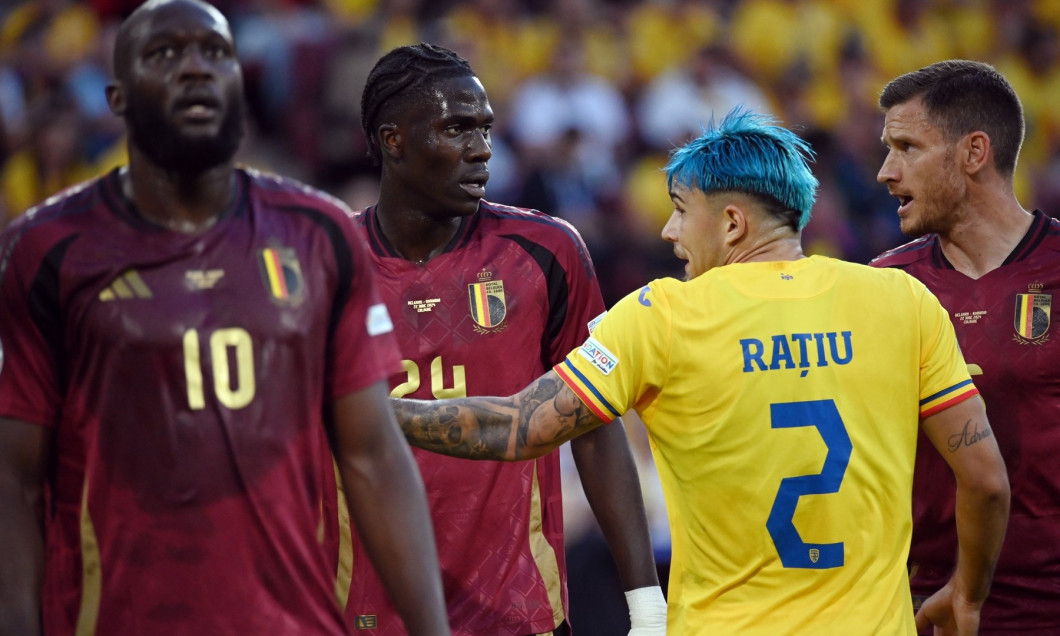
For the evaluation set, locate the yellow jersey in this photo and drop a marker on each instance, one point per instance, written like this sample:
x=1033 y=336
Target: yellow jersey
x=782 y=401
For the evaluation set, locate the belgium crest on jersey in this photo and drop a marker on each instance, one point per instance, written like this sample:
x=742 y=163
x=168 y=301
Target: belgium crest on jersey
x=486 y=300
x=1032 y=316
x=282 y=274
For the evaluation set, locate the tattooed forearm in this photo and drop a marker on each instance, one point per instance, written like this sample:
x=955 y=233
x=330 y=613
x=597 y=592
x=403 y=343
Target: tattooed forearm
x=470 y=428
x=572 y=414
x=526 y=425
x=970 y=434
x=535 y=395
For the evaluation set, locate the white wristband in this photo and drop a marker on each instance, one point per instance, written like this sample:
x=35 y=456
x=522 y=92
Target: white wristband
x=647 y=611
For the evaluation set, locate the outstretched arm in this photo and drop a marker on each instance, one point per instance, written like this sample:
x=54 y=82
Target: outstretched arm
x=962 y=434
x=24 y=450
x=388 y=505
x=526 y=425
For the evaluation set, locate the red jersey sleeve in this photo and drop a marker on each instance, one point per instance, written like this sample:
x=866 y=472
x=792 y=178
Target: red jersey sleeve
x=29 y=327
x=585 y=301
x=363 y=348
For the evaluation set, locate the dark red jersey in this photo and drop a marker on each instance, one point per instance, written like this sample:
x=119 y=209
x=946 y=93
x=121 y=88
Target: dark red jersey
x=1004 y=326
x=185 y=378
x=511 y=295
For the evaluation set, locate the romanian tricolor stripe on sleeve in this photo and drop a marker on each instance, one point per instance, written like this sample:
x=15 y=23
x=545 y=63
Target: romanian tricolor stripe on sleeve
x=586 y=391
x=947 y=398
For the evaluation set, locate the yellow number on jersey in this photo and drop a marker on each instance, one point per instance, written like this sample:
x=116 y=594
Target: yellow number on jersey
x=221 y=341
x=438 y=388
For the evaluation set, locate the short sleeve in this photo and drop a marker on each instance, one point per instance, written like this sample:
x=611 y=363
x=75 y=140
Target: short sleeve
x=944 y=378
x=625 y=358
x=363 y=348
x=29 y=330
x=584 y=302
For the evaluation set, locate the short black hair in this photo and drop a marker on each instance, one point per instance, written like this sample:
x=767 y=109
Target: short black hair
x=401 y=75
x=963 y=96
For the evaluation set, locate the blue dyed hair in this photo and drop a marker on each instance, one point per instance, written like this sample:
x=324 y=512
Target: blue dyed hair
x=749 y=153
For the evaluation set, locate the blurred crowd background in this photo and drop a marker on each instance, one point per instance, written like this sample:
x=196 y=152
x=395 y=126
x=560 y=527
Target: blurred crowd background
x=590 y=95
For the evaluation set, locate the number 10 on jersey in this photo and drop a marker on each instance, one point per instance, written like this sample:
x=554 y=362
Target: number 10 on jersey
x=221 y=342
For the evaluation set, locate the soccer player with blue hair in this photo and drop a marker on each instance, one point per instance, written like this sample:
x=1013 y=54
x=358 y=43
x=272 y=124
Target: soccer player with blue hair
x=782 y=395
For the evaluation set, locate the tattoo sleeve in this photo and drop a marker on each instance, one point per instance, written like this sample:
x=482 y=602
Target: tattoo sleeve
x=526 y=425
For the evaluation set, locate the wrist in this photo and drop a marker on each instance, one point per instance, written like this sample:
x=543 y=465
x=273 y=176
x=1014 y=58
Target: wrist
x=647 y=608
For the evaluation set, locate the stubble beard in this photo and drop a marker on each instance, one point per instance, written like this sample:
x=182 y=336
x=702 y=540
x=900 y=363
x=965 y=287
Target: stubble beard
x=166 y=146
x=939 y=208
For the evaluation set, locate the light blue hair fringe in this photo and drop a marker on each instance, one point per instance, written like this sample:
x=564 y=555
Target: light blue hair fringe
x=748 y=152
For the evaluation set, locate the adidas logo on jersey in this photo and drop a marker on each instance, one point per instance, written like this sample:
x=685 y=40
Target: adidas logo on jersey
x=127 y=285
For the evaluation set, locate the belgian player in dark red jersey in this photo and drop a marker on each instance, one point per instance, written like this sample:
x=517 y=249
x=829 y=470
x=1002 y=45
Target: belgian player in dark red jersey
x=953 y=132
x=173 y=334
x=485 y=298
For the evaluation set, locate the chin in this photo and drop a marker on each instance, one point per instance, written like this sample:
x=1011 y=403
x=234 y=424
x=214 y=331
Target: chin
x=912 y=228
x=467 y=208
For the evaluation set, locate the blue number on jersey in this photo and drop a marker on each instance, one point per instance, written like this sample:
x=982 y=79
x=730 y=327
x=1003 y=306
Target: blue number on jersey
x=793 y=551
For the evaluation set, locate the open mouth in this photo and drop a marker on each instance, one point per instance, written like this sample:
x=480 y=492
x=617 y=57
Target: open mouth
x=903 y=202
x=475 y=185
x=201 y=107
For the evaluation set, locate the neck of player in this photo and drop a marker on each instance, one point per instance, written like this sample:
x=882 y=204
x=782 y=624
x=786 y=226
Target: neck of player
x=415 y=234
x=984 y=234
x=180 y=202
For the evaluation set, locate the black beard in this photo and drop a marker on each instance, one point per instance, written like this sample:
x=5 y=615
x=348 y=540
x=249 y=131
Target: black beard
x=171 y=150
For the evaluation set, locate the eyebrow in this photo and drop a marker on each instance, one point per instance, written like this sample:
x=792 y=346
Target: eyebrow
x=894 y=136
x=465 y=117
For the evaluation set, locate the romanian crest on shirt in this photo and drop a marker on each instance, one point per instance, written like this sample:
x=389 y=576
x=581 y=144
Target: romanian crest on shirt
x=486 y=302
x=282 y=275
x=1032 y=317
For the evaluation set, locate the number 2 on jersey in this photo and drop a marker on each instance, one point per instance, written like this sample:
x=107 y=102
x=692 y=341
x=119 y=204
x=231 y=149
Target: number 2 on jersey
x=824 y=416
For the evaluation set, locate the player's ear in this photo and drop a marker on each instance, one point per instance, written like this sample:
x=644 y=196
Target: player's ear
x=116 y=99
x=735 y=222
x=976 y=151
x=390 y=140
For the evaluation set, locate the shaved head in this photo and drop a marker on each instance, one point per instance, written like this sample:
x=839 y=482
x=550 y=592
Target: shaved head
x=178 y=85
x=131 y=27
